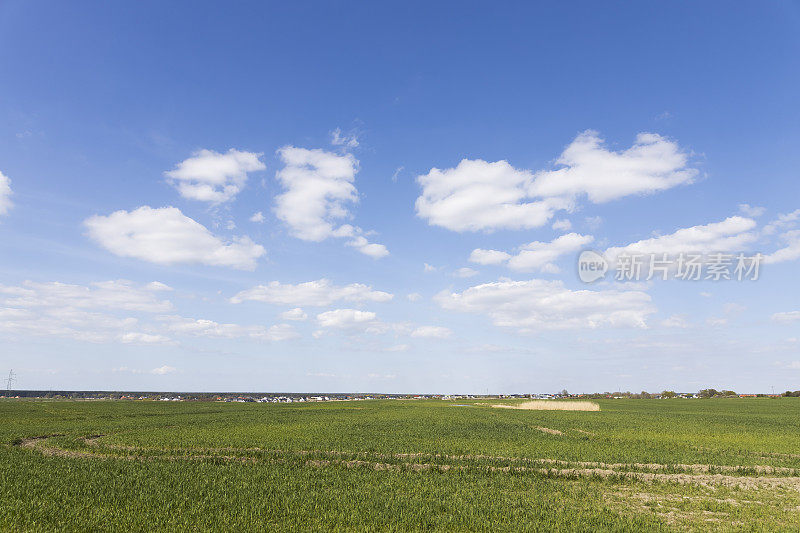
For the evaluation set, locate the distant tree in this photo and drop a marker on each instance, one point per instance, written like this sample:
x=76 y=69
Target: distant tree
x=564 y=393
x=645 y=395
x=668 y=394
x=728 y=393
x=708 y=393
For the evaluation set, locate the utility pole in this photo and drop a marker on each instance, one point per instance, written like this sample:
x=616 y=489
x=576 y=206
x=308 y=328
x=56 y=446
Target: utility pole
x=9 y=380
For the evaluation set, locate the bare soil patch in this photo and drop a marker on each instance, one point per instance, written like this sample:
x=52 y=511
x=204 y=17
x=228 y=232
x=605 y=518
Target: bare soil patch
x=552 y=405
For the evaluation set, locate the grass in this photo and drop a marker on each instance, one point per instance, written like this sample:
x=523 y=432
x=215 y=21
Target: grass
x=399 y=466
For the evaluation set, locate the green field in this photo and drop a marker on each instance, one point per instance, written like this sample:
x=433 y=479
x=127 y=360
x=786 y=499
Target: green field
x=635 y=465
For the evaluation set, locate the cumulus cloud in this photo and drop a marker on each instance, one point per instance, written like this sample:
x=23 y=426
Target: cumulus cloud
x=120 y=294
x=782 y=222
x=209 y=328
x=166 y=236
x=346 y=318
x=539 y=304
x=257 y=217
x=319 y=293
x=360 y=243
x=732 y=234
x=432 y=332
x=652 y=164
x=97 y=312
x=70 y=324
x=318 y=188
x=478 y=195
x=163 y=370
x=789 y=252
x=294 y=314
x=534 y=255
x=210 y=176
x=488 y=257
x=541 y=255
x=5 y=194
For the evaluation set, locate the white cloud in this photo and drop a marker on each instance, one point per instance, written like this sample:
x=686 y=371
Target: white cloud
x=784 y=221
x=540 y=304
x=652 y=164
x=71 y=311
x=135 y=337
x=787 y=317
x=119 y=294
x=344 y=139
x=535 y=255
x=158 y=286
x=465 y=272
x=5 y=194
x=67 y=323
x=209 y=328
x=432 y=332
x=593 y=223
x=480 y=196
x=54 y=309
x=166 y=236
x=751 y=211
x=163 y=370
x=346 y=318
x=414 y=296
x=429 y=268
x=294 y=314
x=540 y=255
x=488 y=257
x=257 y=217
x=360 y=243
x=790 y=252
x=398 y=348
x=732 y=234
x=319 y=293
x=210 y=176
x=396 y=173
x=562 y=224
x=318 y=187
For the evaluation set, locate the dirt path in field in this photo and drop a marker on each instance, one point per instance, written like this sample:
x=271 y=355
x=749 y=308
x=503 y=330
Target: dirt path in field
x=749 y=477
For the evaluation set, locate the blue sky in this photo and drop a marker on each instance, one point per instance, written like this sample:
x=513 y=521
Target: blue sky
x=426 y=177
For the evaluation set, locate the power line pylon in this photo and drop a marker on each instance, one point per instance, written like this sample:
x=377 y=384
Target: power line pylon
x=9 y=380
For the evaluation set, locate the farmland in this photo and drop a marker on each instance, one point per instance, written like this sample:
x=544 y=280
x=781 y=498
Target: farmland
x=634 y=465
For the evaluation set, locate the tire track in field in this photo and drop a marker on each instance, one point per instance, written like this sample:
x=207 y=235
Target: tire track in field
x=695 y=474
